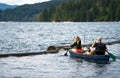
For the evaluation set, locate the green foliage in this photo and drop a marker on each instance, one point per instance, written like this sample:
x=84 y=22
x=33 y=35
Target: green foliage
x=28 y=12
x=65 y=10
x=83 y=10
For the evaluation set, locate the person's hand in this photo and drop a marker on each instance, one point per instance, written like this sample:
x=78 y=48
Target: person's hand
x=107 y=50
x=94 y=41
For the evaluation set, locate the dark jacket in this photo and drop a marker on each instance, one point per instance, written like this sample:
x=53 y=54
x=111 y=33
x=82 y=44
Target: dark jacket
x=100 y=48
x=76 y=45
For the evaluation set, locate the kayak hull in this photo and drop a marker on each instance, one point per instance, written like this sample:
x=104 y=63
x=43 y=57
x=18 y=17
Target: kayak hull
x=96 y=58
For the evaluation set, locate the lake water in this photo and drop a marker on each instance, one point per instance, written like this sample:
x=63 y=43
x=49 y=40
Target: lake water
x=34 y=36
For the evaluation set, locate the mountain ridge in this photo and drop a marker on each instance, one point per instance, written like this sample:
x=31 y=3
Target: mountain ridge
x=4 y=6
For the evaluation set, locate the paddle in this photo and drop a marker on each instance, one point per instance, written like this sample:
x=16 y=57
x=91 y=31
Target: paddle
x=112 y=56
x=67 y=48
x=66 y=53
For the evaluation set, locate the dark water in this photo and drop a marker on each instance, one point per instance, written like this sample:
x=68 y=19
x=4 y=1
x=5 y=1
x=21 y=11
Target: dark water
x=32 y=37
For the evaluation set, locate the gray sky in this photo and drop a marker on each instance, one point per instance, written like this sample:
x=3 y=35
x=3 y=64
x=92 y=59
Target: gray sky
x=21 y=2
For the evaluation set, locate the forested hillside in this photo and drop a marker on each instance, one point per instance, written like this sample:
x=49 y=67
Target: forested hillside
x=27 y=12
x=83 y=10
x=65 y=10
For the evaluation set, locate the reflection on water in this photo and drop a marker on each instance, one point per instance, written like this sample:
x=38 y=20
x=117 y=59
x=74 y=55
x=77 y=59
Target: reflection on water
x=57 y=65
x=28 y=37
x=32 y=37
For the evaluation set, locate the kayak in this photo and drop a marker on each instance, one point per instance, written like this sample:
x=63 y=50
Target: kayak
x=95 y=58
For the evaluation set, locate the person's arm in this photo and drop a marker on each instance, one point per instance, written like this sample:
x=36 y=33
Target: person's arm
x=106 y=48
x=72 y=45
x=93 y=44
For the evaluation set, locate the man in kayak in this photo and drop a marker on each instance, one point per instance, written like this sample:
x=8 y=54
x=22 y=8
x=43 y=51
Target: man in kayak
x=100 y=47
x=76 y=46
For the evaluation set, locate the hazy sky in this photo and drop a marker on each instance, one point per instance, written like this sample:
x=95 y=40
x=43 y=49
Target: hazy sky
x=21 y=2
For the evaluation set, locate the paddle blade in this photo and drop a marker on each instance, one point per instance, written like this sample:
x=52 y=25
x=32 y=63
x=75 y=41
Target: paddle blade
x=65 y=54
x=112 y=56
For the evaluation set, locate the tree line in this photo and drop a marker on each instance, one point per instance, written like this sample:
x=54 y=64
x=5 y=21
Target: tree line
x=27 y=12
x=82 y=10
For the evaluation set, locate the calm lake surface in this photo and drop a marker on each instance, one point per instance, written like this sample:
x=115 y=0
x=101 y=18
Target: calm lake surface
x=18 y=37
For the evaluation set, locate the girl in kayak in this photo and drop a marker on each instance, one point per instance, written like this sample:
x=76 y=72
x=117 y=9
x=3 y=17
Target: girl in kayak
x=76 y=46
